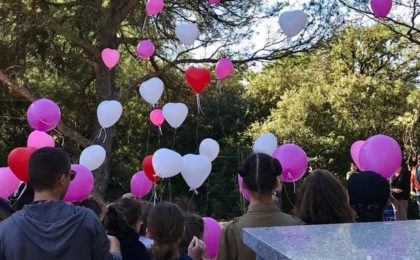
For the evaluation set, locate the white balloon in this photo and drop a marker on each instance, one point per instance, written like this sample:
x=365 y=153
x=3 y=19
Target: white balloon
x=209 y=148
x=195 y=170
x=93 y=157
x=266 y=143
x=167 y=163
x=187 y=33
x=293 y=22
x=109 y=112
x=175 y=113
x=151 y=90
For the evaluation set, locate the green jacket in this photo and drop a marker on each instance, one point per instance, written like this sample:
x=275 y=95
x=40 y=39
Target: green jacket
x=259 y=215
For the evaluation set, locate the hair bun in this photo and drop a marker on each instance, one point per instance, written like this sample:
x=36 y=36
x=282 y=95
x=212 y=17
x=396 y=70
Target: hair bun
x=276 y=168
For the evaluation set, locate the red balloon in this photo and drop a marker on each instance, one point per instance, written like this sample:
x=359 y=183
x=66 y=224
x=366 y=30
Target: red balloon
x=198 y=78
x=18 y=162
x=148 y=169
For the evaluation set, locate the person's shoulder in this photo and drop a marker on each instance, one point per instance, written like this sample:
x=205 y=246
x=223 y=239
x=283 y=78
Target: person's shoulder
x=290 y=219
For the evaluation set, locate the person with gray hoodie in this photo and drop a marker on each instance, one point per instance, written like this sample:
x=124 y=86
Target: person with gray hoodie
x=49 y=228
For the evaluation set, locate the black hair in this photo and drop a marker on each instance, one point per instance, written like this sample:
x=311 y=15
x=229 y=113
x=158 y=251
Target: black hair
x=122 y=215
x=5 y=210
x=259 y=172
x=45 y=166
x=194 y=227
x=25 y=196
x=94 y=203
x=146 y=207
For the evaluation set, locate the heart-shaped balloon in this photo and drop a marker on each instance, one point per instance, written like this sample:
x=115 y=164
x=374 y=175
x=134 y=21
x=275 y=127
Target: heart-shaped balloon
x=39 y=139
x=167 y=163
x=109 y=112
x=209 y=148
x=147 y=165
x=195 y=169
x=110 y=57
x=293 y=22
x=18 y=160
x=175 y=113
x=198 y=78
x=151 y=90
x=187 y=33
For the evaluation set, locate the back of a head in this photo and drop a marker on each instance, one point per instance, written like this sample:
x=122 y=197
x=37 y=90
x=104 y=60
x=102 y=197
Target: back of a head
x=146 y=207
x=96 y=204
x=322 y=199
x=194 y=227
x=5 y=210
x=121 y=215
x=45 y=167
x=259 y=172
x=166 y=228
x=369 y=193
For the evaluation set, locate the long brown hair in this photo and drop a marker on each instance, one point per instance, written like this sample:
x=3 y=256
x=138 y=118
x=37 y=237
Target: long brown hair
x=322 y=199
x=166 y=228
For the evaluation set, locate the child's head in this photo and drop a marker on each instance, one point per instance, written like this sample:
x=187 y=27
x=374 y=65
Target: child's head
x=166 y=227
x=123 y=214
x=96 y=204
x=194 y=227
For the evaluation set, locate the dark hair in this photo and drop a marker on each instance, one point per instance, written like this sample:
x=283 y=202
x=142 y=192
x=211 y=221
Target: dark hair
x=259 y=172
x=25 y=196
x=122 y=215
x=322 y=199
x=45 y=166
x=194 y=227
x=94 y=203
x=146 y=207
x=166 y=228
x=5 y=210
x=369 y=193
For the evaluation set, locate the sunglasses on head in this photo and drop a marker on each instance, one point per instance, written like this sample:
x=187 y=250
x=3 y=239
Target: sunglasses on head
x=72 y=174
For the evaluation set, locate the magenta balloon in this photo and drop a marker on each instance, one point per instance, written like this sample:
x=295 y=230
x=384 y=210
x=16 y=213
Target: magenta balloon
x=8 y=182
x=213 y=2
x=381 y=8
x=244 y=192
x=110 y=57
x=82 y=184
x=39 y=139
x=154 y=7
x=140 y=185
x=381 y=154
x=43 y=115
x=355 y=150
x=145 y=49
x=157 y=118
x=224 y=68
x=211 y=237
x=293 y=160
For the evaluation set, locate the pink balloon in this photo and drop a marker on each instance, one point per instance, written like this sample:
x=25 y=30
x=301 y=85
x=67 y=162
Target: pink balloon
x=157 y=118
x=381 y=8
x=8 y=182
x=381 y=154
x=211 y=237
x=355 y=151
x=145 y=49
x=154 y=7
x=43 y=114
x=140 y=185
x=293 y=160
x=110 y=57
x=82 y=184
x=244 y=192
x=39 y=139
x=213 y=2
x=224 y=68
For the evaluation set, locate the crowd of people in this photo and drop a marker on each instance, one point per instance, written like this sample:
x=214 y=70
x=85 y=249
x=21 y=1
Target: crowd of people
x=39 y=225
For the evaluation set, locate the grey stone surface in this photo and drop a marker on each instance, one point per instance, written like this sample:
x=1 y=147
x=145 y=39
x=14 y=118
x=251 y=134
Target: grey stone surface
x=370 y=241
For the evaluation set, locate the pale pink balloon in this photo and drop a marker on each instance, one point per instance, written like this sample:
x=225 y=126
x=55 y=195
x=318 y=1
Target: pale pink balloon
x=110 y=57
x=145 y=49
x=224 y=68
x=214 y=2
x=39 y=139
x=244 y=192
x=157 y=118
x=8 y=182
x=381 y=8
x=140 y=185
x=154 y=7
x=355 y=151
x=82 y=184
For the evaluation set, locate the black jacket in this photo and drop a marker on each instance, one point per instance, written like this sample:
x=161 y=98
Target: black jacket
x=401 y=181
x=131 y=247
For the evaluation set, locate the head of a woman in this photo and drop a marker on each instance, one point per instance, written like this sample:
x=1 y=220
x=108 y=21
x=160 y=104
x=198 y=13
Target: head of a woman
x=194 y=227
x=123 y=214
x=322 y=199
x=259 y=172
x=96 y=204
x=166 y=227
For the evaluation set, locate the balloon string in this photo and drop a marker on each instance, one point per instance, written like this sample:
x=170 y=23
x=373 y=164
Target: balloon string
x=109 y=84
x=154 y=195
x=144 y=25
x=159 y=141
x=104 y=135
x=160 y=130
x=100 y=133
x=148 y=139
x=189 y=204
x=173 y=143
x=199 y=105
x=61 y=136
x=45 y=123
x=218 y=114
x=218 y=85
x=196 y=131
x=294 y=183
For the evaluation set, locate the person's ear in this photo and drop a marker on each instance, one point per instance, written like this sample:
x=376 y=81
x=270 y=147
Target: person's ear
x=63 y=180
x=147 y=233
x=279 y=184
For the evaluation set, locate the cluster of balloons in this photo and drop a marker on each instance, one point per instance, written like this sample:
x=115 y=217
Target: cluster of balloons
x=379 y=153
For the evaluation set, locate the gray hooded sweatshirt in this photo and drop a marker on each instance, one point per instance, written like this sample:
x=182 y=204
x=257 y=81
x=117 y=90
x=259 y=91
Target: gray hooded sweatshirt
x=53 y=230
